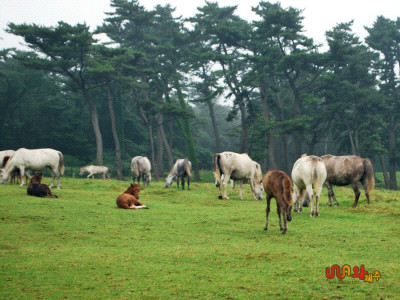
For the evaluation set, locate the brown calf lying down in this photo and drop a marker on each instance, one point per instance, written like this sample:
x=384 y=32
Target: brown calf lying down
x=35 y=188
x=129 y=199
x=278 y=185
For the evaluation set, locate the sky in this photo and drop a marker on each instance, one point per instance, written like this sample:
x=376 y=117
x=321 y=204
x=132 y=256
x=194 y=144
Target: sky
x=319 y=15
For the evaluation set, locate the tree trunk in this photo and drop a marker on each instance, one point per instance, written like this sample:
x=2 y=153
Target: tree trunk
x=215 y=127
x=392 y=157
x=165 y=142
x=384 y=172
x=244 y=138
x=115 y=135
x=150 y=129
x=187 y=133
x=96 y=128
x=160 y=148
x=270 y=138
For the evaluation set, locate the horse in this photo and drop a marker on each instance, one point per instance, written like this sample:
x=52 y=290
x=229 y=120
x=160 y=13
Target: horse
x=277 y=184
x=348 y=169
x=181 y=169
x=130 y=198
x=141 y=167
x=104 y=171
x=237 y=167
x=16 y=173
x=36 y=188
x=35 y=160
x=308 y=172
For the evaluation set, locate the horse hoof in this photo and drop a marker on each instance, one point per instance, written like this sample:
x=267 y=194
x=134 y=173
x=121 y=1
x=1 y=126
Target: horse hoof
x=265 y=228
x=284 y=231
x=329 y=204
x=336 y=204
x=219 y=197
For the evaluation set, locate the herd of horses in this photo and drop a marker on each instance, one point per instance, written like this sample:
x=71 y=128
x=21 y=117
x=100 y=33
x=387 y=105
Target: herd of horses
x=308 y=176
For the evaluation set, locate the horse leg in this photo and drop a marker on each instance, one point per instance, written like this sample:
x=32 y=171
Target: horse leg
x=267 y=211
x=330 y=192
x=311 y=196
x=22 y=169
x=283 y=210
x=278 y=209
x=241 y=190
x=356 y=193
x=188 y=181
x=364 y=184
x=183 y=183
x=224 y=183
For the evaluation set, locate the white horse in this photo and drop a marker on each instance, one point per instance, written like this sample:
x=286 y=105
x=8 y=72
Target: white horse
x=181 y=169
x=238 y=167
x=308 y=172
x=141 y=168
x=95 y=170
x=35 y=160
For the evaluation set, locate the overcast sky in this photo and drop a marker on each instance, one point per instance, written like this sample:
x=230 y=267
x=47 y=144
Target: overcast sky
x=320 y=15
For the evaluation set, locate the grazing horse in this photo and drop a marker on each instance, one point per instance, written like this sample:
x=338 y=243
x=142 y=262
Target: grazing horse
x=277 y=184
x=130 y=198
x=348 y=169
x=237 y=167
x=35 y=160
x=308 y=172
x=141 y=167
x=95 y=170
x=15 y=174
x=181 y=169
x=36 y=188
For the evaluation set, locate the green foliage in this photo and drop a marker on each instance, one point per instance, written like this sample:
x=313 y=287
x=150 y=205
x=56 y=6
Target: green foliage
x=190 y=244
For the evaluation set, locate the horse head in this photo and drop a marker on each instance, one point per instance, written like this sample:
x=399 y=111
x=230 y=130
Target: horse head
x=257 y=182
x=37 y=178
x=133 y=190
x=170 y=178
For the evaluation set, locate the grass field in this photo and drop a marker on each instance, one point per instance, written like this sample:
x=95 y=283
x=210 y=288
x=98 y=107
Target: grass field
x=190 y=244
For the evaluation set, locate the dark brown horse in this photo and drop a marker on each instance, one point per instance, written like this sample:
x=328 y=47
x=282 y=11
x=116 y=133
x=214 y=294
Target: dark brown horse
x=348 y=169
x=36 y=188
x=277 y=184
x=130 y=198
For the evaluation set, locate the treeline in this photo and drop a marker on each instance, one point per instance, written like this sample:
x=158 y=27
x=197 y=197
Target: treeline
x=158 y=87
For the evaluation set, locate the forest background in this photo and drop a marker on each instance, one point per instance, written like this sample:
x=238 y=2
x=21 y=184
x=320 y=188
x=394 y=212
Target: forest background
x=168 y=88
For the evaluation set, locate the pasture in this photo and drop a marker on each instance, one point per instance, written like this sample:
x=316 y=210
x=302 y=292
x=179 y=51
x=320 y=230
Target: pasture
x=191 y=244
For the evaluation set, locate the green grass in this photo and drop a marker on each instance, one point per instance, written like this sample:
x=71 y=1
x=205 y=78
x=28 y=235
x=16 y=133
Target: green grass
x=190 y=244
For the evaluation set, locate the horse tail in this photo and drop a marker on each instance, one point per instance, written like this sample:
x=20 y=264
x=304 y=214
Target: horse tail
x=187 y=168
x=61 y=163
x=287 y=190
x=369 y=173
x=135 y=169
x=217 y=167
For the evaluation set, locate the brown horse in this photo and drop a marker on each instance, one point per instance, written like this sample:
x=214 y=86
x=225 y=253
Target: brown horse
x=35 y=188
x=130 y=198
x=348 y=169
x=277 y=184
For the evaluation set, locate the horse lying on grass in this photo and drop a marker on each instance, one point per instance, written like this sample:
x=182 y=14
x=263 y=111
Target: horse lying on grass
x=36 y=188
x=278 y=185
x=130 y=198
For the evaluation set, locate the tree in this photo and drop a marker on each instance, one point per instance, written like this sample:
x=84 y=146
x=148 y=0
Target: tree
x=67 y=51
x=384 y=38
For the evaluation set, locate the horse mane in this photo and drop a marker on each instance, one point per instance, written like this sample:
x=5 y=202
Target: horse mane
x=37 y=178
x=5 y=160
